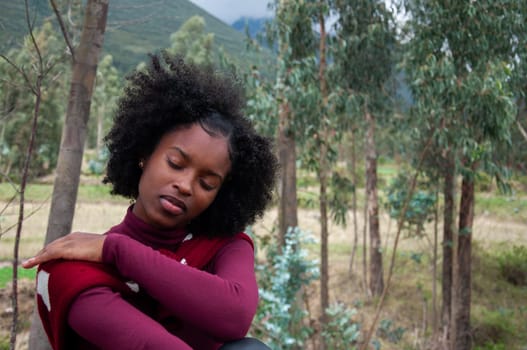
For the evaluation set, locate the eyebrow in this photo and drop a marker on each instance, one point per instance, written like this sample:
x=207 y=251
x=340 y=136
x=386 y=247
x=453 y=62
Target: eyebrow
x=187 y=158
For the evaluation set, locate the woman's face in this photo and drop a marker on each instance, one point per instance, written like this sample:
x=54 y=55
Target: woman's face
x=181 y=177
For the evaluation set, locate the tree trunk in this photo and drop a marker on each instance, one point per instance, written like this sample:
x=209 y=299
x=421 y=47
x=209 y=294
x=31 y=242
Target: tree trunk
x=287 y=214
x=376 y=271
x=323 y=178
x=74 y=135
x=461 y=337
x=354 y=202
x=448 y=242
x=434 y=266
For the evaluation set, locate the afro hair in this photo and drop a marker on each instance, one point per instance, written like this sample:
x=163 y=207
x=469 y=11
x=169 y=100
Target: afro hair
x=169 y=94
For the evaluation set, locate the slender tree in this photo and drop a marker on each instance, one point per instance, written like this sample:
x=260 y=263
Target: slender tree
x=365 y=59
x=33 y=79
x=85 y=58
x=294 y=42
x=459 y=58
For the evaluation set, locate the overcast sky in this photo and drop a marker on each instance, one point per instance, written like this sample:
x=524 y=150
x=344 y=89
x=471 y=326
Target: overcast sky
x=230 y=10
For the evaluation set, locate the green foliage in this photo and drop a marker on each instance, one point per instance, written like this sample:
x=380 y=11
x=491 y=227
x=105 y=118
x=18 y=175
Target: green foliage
x=281 y=278
x=108 y=84
x=97 y=165
x=340 y=192
x=192 y=42
x=388 y=331
x=17 y=105
x=513 y=265
x=420 y=208
x=341 y=331
x=137 y=28
x=460 y=63
x=493 y=328
x=491 y=346
x=5 y=343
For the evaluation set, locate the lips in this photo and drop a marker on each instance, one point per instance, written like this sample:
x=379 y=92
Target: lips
x=173 y=205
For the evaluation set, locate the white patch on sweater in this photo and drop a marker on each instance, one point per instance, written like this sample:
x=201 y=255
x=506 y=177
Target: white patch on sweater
x=134 y=287
x=42 y=288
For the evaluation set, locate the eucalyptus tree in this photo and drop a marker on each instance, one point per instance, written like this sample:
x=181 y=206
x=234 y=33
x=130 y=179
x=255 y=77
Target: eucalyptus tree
x=312 y=108
x=295 y=43
x=365 y=31
x=458 y=59
x=192 y=42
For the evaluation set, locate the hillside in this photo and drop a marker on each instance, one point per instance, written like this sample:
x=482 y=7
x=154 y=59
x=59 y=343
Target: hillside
x=253 y=25
x=136 y=28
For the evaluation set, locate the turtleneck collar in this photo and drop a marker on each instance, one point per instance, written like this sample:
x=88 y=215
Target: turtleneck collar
x=139 y=230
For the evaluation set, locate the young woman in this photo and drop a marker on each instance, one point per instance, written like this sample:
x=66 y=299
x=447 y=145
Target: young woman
x=177 y=272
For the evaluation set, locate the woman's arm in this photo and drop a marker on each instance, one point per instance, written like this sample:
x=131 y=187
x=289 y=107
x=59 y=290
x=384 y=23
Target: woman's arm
x=221 y=304
x=103 y=318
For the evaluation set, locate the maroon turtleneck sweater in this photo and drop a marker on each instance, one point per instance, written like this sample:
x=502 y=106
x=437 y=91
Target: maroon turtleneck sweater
x=201 y=309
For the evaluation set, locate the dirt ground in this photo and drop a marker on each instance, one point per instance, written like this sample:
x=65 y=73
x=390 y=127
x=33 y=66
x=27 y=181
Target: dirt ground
x=97 y=217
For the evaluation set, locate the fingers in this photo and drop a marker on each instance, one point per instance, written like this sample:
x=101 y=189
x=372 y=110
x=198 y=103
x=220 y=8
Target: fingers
x=29 y=263
x=46 y=254
x=75 y=246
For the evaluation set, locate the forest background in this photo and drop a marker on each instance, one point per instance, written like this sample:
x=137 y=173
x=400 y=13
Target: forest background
x=400 y=129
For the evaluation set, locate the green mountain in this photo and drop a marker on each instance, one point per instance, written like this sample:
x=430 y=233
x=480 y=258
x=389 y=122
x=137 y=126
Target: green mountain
x=135 y=28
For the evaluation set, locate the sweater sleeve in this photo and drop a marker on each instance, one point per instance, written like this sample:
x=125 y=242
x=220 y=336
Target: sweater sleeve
x=228 y=295
x=121 y=324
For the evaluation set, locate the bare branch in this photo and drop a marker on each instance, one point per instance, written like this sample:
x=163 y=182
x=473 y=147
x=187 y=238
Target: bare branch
x=32 y=35
x=26 y=216
x=63 y=28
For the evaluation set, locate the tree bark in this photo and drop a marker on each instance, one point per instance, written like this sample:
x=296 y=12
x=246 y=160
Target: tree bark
x=287 y=215
x=461 y=338
x=448 y=240
x=323 y=178
x=84 y=69
x=354 y=203
x=376 y=270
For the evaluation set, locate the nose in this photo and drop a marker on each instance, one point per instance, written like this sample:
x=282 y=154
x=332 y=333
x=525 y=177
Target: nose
x=183 y=182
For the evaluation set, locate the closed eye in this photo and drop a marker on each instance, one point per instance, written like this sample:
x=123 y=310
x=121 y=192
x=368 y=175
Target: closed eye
x=206 y=186
x=174 y=165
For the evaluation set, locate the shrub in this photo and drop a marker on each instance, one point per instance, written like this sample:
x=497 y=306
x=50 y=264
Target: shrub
x=513 y=265
x=388 y=331
x=420 y=208
x=341 y=332
x=279 y=321
x=492 y=328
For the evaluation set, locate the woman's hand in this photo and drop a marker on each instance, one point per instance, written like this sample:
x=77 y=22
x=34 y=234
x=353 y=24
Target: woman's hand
x=75 y=246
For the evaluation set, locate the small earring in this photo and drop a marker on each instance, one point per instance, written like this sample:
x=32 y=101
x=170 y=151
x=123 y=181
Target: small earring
x=141 y=164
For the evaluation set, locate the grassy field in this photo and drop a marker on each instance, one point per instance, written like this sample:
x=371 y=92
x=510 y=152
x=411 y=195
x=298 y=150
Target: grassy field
x=499 y=308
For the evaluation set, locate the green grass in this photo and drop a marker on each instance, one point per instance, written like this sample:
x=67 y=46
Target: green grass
x=42 y=193
x=506 y=207
x=6 y=275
